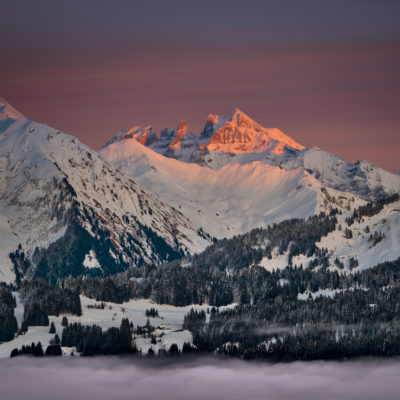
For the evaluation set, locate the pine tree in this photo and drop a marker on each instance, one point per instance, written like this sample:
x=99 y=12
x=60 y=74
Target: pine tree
x=14 y=353
x=174 y=350
x=125 y=336
x=53 y=350
x=52 y=328
x=56 y=339
x=150 y=353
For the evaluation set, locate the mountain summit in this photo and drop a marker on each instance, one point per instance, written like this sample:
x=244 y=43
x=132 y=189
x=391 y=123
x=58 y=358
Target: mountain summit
x=241 y=134
x=234 y=135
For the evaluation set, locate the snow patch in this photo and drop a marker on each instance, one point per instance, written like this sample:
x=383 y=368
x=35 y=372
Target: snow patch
x=321 y=292
x=91 y=260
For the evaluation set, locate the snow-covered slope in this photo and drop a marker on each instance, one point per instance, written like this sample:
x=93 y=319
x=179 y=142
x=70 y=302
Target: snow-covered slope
x=373 y=240
x=60 y=201
x=362 y=177
x=168 y=324
x=232 y=199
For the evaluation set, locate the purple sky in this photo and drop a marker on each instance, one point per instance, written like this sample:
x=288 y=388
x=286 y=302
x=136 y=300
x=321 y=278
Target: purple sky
x=325 y=72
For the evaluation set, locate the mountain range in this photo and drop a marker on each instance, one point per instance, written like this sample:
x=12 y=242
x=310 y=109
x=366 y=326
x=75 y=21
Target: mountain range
x=150 y=198
x=241 y=140
x=236 y=175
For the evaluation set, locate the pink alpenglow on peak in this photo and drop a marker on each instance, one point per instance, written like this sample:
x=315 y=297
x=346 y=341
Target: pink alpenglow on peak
x=140 y=134
x=241 y=134
x=145 y=135
x=180 y=132
x=213 y=123
x=221 y=136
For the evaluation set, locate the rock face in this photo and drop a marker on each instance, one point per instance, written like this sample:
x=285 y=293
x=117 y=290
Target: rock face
x=240 y=134
x=184 y=143
x=213 y=123
x=60 y=202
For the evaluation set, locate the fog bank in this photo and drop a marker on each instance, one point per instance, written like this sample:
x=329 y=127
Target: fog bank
x=205 y=378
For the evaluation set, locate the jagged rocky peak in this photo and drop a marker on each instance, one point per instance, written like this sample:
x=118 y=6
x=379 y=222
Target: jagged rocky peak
x=182 y=126
x=181 y=130
x=184 y=143
x=144 y=135
x=239 y=117
x=236 y=134
x=213 y=123
x=240 y=133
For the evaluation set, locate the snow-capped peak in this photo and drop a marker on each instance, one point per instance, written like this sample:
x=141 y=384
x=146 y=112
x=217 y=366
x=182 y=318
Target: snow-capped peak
x=8 y=111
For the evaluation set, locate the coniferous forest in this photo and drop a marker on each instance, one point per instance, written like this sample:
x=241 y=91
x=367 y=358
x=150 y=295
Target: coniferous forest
x=278 y=314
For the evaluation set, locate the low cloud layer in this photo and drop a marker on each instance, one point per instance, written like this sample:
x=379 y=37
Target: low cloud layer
x=206 y=378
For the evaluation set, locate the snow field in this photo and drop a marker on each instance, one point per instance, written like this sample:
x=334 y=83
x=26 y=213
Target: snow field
x=168 y=325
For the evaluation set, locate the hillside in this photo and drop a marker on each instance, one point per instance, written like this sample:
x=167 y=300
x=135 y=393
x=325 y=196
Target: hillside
x=63 y=210
x=231 y=200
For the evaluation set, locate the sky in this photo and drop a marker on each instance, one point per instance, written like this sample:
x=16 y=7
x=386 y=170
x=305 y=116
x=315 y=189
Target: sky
x=325 y=72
